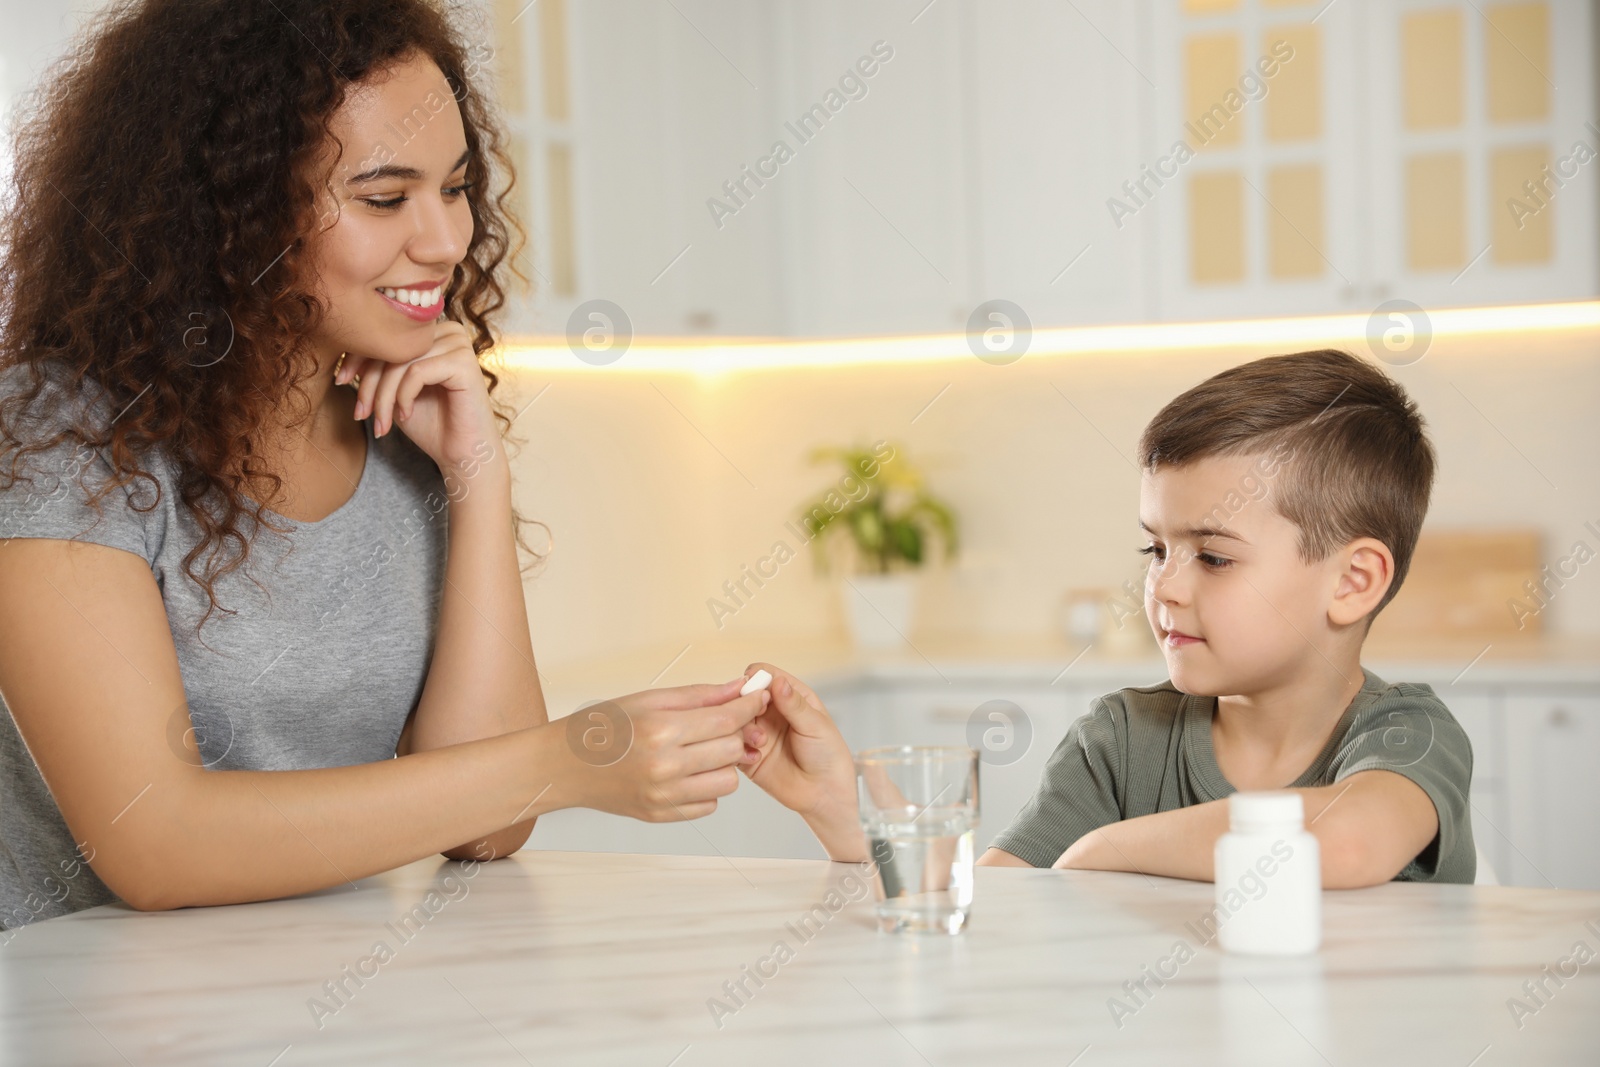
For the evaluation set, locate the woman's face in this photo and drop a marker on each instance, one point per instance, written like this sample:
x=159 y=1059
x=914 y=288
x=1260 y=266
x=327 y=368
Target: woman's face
x=396 y=222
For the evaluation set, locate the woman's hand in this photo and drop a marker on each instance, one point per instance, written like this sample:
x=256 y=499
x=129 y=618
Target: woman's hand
x=659 y=755
x=794 y=751
x=440 y=399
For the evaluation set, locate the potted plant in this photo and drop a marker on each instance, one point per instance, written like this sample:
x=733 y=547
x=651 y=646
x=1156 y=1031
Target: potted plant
x=891 y=519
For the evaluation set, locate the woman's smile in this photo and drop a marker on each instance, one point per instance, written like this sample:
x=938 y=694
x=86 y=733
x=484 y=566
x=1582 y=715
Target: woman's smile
x=420 y=305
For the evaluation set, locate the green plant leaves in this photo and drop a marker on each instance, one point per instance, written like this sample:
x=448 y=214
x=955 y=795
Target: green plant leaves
x=885 y=528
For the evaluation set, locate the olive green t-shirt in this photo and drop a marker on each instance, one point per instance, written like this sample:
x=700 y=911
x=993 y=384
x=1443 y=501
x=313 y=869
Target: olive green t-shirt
x=1144 y=750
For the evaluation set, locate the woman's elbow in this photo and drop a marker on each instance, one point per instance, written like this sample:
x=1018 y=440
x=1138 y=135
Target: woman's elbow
x=142 y=889
x=495 y=846
x=142 y=901
x=148 y=872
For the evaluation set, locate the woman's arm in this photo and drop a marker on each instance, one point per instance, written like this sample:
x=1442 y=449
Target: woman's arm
x=482 y=681
x=91 y=676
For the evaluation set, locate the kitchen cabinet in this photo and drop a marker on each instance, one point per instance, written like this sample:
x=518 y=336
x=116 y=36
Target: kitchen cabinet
x=877 y=229
x=1432 y=152
x=1265 y=218
x=1478 y=710
x=1335 y=157
x=1553 y=795
x=1481 y=181
x=626 y=119
x=930 y=188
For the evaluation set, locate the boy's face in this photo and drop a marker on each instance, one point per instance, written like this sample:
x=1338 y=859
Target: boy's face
x=1232 y=605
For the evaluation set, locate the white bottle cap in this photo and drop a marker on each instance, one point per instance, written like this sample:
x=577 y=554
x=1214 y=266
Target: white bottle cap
x=1270 y=810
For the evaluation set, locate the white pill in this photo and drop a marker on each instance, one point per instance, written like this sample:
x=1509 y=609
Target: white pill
x=758 y=681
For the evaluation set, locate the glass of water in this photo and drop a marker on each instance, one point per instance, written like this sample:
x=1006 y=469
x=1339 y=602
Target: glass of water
x=919 y=808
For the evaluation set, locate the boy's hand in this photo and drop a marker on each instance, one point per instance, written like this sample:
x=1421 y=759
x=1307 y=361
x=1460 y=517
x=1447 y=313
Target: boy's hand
x=794 y=751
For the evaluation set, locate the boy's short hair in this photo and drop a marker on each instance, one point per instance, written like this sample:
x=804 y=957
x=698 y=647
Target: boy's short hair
x=1360 y=464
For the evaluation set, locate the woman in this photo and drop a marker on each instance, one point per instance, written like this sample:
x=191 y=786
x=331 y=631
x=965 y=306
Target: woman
x=226 y=211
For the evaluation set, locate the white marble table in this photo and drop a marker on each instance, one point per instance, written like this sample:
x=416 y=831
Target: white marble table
x=564 y=957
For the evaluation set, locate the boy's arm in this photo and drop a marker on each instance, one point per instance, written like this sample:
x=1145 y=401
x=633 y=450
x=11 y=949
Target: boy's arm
x=1078 y=791
x=1368 y=826
x=999 y=857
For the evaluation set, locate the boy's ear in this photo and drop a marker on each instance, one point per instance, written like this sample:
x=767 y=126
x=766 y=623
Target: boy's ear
x=1365 y=571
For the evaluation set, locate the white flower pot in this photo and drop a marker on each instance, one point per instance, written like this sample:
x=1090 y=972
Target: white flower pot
x=878 y=607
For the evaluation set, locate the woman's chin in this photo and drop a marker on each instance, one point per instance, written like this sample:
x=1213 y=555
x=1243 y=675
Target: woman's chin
x=394 y=346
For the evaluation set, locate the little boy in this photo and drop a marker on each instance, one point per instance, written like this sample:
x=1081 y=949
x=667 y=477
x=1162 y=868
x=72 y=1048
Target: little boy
x=1281 y=501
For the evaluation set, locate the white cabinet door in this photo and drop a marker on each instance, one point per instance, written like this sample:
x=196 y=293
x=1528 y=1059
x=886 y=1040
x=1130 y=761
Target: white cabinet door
x=1437 y=152
x=1057 y=93
x=1266 y=218
x=1478 y=709
x=667 y=107
x=1553 y=748
x=877 y=234
x=1469 y=102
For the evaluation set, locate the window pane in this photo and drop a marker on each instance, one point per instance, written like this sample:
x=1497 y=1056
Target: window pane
x=1431 y=68
x=1521 y=216
x=1294 y=222
x=1216 y=227
x=1294 y=101
x=1518 y=38
x=1436 y=212
x=1211 y=62
x=553 y=53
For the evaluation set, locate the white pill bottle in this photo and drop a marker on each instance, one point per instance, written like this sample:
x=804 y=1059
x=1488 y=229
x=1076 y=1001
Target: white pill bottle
x=1268 y=877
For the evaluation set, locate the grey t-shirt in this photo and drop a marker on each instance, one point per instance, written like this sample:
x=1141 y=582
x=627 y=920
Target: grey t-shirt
x=320 y=671
x=1144 y=750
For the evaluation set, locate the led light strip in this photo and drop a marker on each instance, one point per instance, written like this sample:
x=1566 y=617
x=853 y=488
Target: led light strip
x=717 y=356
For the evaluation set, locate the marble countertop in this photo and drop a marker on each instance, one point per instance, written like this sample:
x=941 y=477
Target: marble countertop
x=594 y=958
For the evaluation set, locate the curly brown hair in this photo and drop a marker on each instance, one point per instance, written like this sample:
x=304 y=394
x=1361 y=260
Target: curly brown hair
x=163 y=183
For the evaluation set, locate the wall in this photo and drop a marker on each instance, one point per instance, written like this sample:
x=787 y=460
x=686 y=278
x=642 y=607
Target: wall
x=660 y=487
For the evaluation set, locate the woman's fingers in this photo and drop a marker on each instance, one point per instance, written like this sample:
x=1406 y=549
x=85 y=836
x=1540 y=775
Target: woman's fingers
x=371 y=377
x=349 y=369
x=684 y=697
x=680 y=798
x=712 y=753
x=418 y=375
x=674 y=812
x=710 y=785
x=689 y=748
x=727 y=719
x=383 y=401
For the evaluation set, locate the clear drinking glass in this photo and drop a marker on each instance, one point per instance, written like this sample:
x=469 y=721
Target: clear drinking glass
x=919 y=808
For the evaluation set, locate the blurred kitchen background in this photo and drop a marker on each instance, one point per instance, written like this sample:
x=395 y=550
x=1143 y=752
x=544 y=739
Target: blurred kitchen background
x=997 y=237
